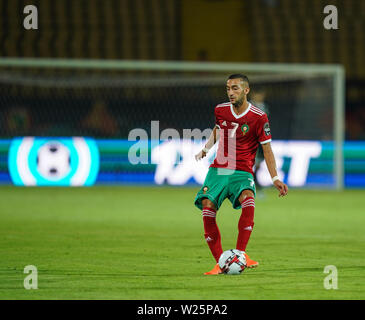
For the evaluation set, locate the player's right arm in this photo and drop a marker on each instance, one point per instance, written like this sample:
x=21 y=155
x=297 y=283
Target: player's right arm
x=213 y=138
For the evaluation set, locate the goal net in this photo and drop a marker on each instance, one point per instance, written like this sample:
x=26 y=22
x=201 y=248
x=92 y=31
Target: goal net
x=107 y=100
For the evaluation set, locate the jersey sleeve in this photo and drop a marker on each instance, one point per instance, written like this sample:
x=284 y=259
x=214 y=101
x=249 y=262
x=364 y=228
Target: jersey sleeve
x=217 y=118
x=263 y=130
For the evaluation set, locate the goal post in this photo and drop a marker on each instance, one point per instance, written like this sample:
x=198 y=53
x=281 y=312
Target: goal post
x=315 y=92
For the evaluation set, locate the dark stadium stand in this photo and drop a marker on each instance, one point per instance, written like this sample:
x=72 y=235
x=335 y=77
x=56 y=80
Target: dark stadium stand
x=113 y=29
x=277 y=31
x=292 y=31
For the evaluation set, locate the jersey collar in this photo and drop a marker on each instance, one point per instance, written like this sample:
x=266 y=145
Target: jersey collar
x=242 y=114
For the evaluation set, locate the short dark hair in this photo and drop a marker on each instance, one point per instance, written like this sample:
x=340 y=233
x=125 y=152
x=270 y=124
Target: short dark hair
x=239 y=76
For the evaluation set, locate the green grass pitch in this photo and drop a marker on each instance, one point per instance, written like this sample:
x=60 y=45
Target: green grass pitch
x=147 y=243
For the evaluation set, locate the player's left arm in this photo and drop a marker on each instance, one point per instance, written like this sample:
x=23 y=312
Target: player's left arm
x=271 y=165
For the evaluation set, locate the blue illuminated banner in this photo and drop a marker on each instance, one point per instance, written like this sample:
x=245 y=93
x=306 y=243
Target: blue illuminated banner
x=83 y=161
x=34 y=161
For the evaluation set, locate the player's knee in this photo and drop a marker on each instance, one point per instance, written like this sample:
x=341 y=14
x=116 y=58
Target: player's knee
x=208 y=204
x=245 y=194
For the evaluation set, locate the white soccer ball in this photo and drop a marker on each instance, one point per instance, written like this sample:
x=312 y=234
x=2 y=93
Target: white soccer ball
x=232 y=261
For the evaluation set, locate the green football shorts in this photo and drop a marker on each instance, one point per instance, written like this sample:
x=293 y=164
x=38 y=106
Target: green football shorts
x=223 y=183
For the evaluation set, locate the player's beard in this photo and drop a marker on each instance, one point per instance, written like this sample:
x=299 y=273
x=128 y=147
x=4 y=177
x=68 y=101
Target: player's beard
x=238 y=102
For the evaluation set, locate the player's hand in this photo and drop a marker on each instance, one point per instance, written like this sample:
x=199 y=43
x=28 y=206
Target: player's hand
x=282 y=187
x=200 y=155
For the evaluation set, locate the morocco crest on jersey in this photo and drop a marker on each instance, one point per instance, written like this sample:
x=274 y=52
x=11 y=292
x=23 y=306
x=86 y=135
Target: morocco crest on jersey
x=245 y=128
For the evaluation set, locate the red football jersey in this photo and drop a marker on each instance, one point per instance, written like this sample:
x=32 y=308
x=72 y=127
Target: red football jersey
x=240 y=136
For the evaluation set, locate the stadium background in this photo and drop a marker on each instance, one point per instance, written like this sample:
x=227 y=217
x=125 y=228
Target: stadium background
x=170 y=30
x=257 y=31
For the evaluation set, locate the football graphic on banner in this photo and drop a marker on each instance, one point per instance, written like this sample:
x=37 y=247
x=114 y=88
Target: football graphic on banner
x=53 y=161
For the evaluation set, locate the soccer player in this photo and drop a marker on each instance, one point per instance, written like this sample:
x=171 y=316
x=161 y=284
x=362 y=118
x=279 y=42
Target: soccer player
x=240 y=127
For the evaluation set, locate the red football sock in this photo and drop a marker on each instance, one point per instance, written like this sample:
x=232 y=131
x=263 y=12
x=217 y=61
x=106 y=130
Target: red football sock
x=212 y=234
x=245 y=224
